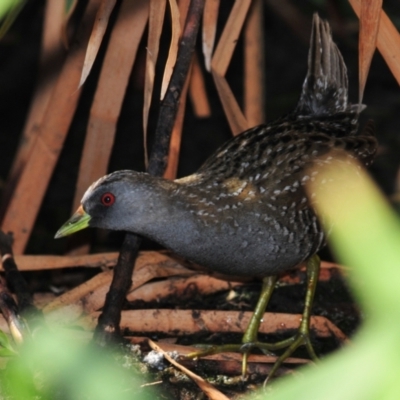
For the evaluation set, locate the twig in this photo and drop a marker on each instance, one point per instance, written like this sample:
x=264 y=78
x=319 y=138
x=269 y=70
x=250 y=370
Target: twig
x=17 y=282
x=13 y=276
x=108 y=324
x=9 y=309
x=188 y=322
x=169 y=107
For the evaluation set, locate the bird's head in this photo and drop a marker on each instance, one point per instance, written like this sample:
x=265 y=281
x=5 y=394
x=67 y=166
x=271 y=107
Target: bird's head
x=116 y=201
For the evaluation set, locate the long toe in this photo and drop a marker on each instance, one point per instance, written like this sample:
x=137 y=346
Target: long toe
x=291 y=345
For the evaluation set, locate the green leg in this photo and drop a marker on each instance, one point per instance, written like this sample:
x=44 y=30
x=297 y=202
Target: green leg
x=249 y=341
x=302 y=336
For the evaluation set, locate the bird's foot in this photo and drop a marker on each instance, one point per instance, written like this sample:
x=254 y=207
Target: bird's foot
x=302 y=337
x=290 y=345
x=249 y=341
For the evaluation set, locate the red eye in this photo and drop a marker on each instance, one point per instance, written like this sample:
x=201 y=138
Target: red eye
x=107 y=199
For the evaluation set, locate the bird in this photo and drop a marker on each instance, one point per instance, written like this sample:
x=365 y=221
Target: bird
x=246 y=212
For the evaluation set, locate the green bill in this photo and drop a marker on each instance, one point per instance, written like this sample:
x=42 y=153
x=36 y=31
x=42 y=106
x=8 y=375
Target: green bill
x=80 y=220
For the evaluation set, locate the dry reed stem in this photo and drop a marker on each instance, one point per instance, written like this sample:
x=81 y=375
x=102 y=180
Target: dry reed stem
x=99 y=29
x=388 y=41
x=229 y=37
x=176 y=135
x=185 y=350
x=186 y=322
x=174 y=44
x=183 y=10
x=202 y=285
x=169 y=106
x=369 y=26
x=29 y=192
x=327 y=272
x=148 y=266
x=110 y=92
x=75 y=295
x=94 y=300
x=180 y=287
x=211 y=392
x=220 y=62
x=51 y=56
x=102 y=260
x=39 y=263
x=237 y=121
x=156 y=20
x=109 y=320
x=254 y=66
x=210 y=19
x=228 y=363
x=198 y=92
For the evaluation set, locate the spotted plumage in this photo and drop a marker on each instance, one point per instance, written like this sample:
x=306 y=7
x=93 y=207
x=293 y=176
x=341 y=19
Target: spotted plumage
x=245 y=211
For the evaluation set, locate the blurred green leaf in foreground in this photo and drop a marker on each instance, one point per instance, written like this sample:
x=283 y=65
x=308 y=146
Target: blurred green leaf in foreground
x=9 y=10
x=365 y=236
x=58 y=364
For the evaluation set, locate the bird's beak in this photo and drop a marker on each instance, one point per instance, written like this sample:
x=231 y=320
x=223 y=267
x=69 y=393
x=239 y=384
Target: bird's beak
x=80 y=220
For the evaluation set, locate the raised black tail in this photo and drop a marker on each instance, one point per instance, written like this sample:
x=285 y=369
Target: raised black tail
x=325 y=87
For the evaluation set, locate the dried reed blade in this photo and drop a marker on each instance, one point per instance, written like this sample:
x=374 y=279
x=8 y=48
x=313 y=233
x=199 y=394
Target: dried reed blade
x=173 y=48
x=369 y=25
x=29 y=192
x=117 y=66
x=99 y=29
x=254 y=66
x=210 y=18
x=156 y=20
x=388 y=40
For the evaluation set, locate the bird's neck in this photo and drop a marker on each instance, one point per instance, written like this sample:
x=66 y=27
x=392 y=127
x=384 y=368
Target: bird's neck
x=167 y=219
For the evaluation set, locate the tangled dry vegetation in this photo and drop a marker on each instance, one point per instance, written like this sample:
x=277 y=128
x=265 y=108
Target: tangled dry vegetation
x=119 y=31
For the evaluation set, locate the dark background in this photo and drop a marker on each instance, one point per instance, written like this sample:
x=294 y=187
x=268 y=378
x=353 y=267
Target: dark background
x=285 y=62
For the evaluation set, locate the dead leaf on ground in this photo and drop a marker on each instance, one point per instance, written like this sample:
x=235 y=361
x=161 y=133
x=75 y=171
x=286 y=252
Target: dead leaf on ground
x=91 y=294
x=186 y=322
x=39 y=263
x=206 y=387
x=180 y=286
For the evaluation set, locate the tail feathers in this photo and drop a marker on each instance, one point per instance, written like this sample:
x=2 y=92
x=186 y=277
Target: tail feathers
x=325 y=88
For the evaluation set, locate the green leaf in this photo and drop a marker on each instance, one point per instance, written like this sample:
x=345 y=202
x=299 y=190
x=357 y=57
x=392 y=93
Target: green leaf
x=6 y=346
x=9 y=10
